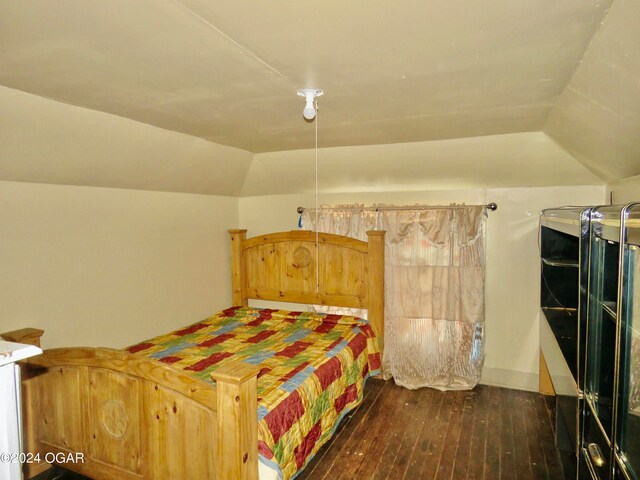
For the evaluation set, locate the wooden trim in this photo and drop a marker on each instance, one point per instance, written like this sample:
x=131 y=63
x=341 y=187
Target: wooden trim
x=545 y=383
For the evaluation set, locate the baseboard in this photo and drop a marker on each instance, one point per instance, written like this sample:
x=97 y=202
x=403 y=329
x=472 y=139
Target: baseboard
x=501 y=377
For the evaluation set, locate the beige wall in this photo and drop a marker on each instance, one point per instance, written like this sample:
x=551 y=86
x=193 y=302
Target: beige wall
x=96 y=266
x=495 y=161
x=513 y=276
x=110 y=267
x=625 y=191
x=512 y=288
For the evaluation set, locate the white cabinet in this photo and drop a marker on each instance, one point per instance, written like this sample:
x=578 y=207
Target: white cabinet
x=10 y=418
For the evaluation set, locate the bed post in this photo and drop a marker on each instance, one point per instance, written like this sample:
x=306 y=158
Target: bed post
x=236 y=432
x=376 y=283
x=30 y=336
x=238 y=280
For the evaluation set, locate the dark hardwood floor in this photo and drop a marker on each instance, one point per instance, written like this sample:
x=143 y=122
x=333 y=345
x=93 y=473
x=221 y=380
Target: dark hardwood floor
x=58 y=473
x=488 y=433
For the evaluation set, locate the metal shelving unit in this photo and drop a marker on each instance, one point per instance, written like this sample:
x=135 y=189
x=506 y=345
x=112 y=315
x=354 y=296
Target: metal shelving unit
x=564 y=252
x=610 y=440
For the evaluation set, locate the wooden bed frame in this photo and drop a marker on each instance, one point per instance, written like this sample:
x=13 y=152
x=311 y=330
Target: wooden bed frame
x=110 y=414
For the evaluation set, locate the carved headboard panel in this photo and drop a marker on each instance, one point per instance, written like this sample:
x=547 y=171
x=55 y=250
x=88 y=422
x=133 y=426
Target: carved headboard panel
x=285 y=267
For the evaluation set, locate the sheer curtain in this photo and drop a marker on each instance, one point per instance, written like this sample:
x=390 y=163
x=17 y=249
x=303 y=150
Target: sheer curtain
x=434 y=289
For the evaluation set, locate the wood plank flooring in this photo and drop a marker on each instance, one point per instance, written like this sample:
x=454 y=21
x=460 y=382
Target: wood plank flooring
x=489 y=433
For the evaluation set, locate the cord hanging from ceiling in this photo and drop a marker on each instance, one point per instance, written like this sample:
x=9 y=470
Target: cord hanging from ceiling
x=310 y=113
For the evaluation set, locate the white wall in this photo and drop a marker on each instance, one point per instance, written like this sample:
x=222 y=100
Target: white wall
x=95 y=266
x=512 y=279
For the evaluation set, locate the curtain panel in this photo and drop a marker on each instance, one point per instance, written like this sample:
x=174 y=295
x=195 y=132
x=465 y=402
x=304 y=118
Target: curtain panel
x=434 y=289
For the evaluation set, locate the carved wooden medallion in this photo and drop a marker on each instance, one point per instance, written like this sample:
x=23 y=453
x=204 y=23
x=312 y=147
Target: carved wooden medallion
x=114 y=418
x=301 y=257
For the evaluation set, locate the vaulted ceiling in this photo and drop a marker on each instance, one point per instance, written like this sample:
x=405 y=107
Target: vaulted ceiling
x=597 y=116
x=392 y=72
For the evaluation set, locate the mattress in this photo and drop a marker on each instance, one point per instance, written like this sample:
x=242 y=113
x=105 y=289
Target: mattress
x=313 y=368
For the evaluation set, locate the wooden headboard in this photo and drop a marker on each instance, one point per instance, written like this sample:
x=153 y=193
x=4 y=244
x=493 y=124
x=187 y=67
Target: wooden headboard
x=285 y=266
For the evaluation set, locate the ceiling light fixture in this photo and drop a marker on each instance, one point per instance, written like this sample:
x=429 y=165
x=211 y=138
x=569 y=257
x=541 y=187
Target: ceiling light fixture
x=309 y=95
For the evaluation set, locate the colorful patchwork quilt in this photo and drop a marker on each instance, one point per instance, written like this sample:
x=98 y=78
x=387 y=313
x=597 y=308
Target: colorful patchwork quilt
x=312 y=371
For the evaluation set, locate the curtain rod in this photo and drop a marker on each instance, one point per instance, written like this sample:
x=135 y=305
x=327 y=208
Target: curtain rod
x=490 y=206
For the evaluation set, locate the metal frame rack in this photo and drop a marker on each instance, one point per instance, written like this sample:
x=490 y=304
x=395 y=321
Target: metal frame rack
x=564 y=251
x=610 y=445
x=590 y=335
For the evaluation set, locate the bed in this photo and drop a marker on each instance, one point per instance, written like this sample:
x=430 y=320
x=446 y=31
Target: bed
x=164 y=409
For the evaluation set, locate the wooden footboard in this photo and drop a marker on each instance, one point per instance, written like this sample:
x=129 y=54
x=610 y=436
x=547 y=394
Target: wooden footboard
x=109 y=414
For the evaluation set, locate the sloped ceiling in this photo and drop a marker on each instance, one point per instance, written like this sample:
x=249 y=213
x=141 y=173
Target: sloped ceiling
x=227 y=72
x=45 y=141
x=526 y=159
x=42 y=141
x=597 y=117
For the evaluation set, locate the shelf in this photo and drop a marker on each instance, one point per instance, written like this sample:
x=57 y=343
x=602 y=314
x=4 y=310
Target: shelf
x=560 y=262
x=608 y=241
x=556 y=314
x=563 y=379
x=566 y=219
x=633 y=226
x=564 y=325
x=563 y=232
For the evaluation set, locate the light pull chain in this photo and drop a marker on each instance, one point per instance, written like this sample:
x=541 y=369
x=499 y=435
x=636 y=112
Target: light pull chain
x=317 y=243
